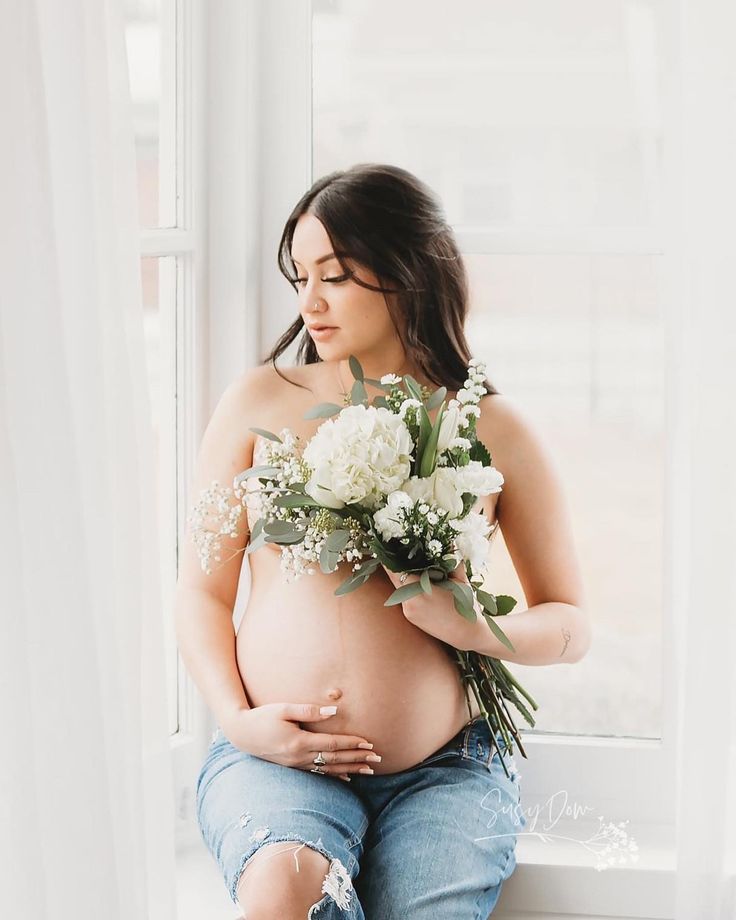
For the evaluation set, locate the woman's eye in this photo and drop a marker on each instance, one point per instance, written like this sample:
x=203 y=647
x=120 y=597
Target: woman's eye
x=337 y=280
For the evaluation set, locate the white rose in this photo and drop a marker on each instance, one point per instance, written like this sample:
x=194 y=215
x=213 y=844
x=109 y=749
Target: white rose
x=359 y=456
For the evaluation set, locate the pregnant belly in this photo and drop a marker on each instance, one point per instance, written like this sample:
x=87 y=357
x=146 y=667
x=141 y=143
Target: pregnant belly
x=392 y=683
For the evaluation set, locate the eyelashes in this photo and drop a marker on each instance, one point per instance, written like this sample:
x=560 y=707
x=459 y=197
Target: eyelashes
x=338 y=280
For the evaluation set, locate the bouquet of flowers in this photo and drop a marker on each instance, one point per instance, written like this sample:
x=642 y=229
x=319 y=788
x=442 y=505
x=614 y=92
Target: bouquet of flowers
x=380 y=484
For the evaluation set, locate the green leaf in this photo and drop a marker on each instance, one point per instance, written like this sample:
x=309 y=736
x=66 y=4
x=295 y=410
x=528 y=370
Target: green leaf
x=499 y=633
x=425 y=582
x=430 y=450
x=463 y=599
x=436 y=398
x=327 y=560
x=479 y=451
x=264 y=471
x=380 y=402
x=404 y=593
x=505 y=603
x=257 y=529
x=386 y=387
x=283 y=538
x=355 y=368
x=337 y=540
x=267 y=434
x=488 y=601
x=413 y=387
x=295 y=501
x=323 y=410
x=358 y=393
x=278 y=528
x=255 y=543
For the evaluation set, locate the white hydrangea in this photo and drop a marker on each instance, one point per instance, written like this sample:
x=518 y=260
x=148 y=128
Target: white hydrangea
x=361 y=455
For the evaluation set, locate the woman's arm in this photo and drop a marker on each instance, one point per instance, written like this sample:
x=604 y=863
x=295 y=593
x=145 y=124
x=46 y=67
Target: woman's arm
x=534 y=518
x=203 y=603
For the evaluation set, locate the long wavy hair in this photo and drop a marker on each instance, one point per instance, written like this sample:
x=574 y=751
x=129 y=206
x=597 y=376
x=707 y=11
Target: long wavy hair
x=389 y=221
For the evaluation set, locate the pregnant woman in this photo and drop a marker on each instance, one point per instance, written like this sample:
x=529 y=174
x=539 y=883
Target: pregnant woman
x=345 y=779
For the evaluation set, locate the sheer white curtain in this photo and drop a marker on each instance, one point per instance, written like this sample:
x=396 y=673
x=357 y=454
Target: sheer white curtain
x=706 y=859
x=86 y=802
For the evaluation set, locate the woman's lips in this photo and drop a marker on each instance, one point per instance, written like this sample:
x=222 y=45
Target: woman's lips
x=323 y=332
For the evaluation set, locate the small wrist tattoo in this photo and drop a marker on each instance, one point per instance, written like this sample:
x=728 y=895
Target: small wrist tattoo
x=566 y=637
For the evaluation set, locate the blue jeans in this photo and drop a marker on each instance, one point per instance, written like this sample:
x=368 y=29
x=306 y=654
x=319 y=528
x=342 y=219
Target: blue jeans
x=434 y=841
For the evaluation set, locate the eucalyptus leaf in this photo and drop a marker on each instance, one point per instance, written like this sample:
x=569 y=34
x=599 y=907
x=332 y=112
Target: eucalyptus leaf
x=257 y=529
x=267 y=434
x=283 y=538
x=488 y=601
x=255 y=544
x=337 y=540
x=499 y=633
x=258 y=471
x=277 y=528
x=295 y=501
x=463 y=599
x=425 y=582
x=358 y=393
x=327 y=560
x=386 y=387
x=355 y=368
x=404 y=593
x=380 y=402
x=322 y=410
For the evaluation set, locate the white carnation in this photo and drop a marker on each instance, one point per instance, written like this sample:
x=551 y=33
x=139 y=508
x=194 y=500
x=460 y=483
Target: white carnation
x=361 y=455
x=471 y=540
x=389 y=519
x=478 y=479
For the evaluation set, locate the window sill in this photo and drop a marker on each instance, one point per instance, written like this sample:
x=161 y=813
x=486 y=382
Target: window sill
x=560 y=877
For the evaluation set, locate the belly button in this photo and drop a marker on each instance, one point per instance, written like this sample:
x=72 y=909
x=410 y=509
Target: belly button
x=334 y=693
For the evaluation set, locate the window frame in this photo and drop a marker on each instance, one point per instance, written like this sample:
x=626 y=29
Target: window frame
x=254 y=147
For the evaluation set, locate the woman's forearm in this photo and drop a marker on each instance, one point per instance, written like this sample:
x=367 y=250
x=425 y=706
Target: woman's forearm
x=206 y=641
x=549 y=633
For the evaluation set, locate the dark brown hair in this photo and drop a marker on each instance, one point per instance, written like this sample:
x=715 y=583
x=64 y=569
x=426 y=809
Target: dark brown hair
x=386 y=219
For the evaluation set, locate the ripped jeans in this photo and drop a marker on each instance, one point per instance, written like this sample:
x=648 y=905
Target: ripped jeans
x=435 y=840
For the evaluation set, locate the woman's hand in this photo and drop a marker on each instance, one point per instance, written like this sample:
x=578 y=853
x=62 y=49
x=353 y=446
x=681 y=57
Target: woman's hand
x=272 y=732
x=437 y=615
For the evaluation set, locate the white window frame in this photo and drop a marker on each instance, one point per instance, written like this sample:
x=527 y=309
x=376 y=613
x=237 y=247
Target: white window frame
x=249 y=160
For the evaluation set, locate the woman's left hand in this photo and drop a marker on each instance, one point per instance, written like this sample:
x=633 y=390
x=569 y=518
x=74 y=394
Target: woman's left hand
x=437 y=615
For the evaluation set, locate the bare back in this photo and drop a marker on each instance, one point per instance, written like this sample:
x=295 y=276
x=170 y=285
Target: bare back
x=393 y=683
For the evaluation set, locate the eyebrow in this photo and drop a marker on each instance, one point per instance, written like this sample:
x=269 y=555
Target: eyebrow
x=330 y=255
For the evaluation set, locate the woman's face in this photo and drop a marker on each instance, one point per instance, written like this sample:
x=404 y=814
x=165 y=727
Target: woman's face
x=362 y=322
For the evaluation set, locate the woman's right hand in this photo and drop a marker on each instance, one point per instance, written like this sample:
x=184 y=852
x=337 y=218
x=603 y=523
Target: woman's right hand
x=271 y=732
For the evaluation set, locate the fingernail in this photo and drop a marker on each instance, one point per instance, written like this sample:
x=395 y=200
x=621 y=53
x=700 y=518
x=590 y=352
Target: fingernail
x=375 y=757
x=346 y=778
x=327 y=710
x=366 y=745
x=366 y=770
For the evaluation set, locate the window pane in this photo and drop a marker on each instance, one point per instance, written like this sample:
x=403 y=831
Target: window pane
x=150 y=41
x=524 y=113
x=158 y=278
x=577 y=341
